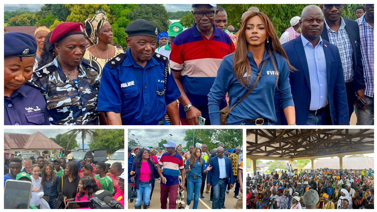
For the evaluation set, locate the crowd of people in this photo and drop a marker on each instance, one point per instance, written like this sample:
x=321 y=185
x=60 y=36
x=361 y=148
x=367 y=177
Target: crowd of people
x=57 y=183
x=312 y=189
x=176 y=170
x=318 y=73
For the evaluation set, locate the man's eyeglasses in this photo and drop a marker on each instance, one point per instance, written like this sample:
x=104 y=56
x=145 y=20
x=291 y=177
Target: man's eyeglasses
x=209 y=14
x=330 y=6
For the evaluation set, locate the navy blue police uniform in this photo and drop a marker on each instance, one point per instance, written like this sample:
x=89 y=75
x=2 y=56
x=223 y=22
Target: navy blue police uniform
x=26 y=105
x=139 y=94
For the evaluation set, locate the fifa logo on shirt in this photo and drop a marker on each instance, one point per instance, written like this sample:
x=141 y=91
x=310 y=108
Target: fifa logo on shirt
x=271 y=73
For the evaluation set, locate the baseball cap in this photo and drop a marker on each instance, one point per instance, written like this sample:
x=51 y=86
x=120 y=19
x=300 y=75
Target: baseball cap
x=23 y=175
x=170 y=144
x=69 y=156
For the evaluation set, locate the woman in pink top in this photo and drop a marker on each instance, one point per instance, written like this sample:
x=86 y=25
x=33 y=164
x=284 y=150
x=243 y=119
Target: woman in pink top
x=87 y=187
x=144 y=169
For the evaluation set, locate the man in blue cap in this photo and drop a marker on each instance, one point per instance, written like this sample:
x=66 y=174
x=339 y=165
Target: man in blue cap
x=23 y=103
x=137 y=87
x=173 y=164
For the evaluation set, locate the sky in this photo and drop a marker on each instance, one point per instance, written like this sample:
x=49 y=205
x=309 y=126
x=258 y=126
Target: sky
x=148 y=137
x=36 y=7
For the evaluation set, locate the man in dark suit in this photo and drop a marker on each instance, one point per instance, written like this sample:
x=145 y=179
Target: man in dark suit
x=318 y=87
x=344 y=33
x=219 y=176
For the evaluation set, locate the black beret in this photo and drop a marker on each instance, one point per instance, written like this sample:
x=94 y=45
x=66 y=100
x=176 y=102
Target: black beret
x=142 y=27
x=19 y=44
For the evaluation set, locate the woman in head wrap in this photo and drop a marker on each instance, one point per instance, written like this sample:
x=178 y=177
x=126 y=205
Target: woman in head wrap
x=296 y=203
x=99 y=32
x=40 y=34
x=23 y=103
x=69 y=86
x=344 y=195
x=162 y=39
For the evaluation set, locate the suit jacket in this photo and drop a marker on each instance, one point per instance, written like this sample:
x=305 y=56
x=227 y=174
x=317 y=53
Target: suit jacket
x=354 y=35
x=300 y=82
x=214 y=174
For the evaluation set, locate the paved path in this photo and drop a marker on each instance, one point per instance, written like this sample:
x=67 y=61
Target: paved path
x=230 y=201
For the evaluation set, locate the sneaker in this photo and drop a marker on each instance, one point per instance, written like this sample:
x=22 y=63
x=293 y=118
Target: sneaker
x=237 y=197
x=187 y=207
x=202 y=197
x=223 y=207
x=227 y=191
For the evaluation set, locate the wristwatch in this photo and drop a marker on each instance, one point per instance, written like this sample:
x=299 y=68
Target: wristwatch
x=187 y=107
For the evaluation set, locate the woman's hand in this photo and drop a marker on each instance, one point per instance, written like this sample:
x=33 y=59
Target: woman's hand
x=56 y=201
x=66 y=201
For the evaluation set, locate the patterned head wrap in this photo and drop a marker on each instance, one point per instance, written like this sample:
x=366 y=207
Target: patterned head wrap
x=94 y=24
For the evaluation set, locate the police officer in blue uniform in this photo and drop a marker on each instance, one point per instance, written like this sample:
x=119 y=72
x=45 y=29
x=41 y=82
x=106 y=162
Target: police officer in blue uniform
x=23 y=103
x=137 y=87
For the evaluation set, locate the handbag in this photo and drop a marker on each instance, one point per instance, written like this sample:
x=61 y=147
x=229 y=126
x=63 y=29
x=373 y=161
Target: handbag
x=224 y=113
x=47 y=197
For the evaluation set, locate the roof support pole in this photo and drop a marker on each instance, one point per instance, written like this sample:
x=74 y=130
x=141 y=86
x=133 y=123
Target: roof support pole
x=340 y=161
x=254 y=165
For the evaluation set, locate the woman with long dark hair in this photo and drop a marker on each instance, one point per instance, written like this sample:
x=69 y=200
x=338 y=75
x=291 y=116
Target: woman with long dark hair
x=145 y=172
x=87 y=187
x=50 y=180
x=260 y=61
x=69 y=184
x=195 y=167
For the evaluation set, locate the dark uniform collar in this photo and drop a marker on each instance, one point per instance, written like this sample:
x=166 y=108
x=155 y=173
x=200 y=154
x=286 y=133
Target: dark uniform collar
x=195 y=32
x=129 y=61
x=22 y=90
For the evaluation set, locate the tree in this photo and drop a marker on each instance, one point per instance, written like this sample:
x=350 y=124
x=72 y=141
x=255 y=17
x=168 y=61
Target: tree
x=60 y=11
x=177 y=15
x=110 y=140
x=161 y=144
x=187 y=20
x=63 y=139
x=259 y=162
x=300 y=164
x=276 y=164
x=120 y=13
x=10 y=14
x=231 y=138
x=83 y=132
x=80 y=12
x=47 y=21
x=155 y=13
x=132 y=143
x=25 y=19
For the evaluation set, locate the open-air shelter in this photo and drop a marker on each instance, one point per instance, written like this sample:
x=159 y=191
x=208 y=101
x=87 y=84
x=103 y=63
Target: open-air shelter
x=296 y=144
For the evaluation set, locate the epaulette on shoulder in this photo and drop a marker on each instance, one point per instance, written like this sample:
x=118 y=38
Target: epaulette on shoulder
x=34 y=86
x=116 y=61
x=87 y=65
x=161 y=58
x=42 y=72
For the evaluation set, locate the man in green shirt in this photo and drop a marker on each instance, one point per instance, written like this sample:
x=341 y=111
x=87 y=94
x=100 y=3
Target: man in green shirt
x=106 y=181
x=58 y=169
x=61 y=155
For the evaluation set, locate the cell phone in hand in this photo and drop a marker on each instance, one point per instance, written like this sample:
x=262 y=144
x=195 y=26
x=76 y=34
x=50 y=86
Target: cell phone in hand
x=17 y=194
x=360 y=103
x=201 y=120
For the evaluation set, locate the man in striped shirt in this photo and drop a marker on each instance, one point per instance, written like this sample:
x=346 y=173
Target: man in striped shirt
x=195 y=58
x=365 y=115
x=106 y=181
x=173 y=164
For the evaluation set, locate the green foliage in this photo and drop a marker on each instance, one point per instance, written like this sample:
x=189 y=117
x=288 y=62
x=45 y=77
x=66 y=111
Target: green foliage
x=110 y=140
x=132 y=143
x=300 y=164
x=280 y=14
x=25 y=19
x=231 y=138
x=276 y=164
x=80 y=12
x=56 y=22
x=155 y=13
x=161 y=144
x=259 y=162
x=47 y=21
x=10 y=14
x=187 y=20
x=83 y=132
x=121 y=20
x=177 y=15
x=60 y=11
x=64 y=139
